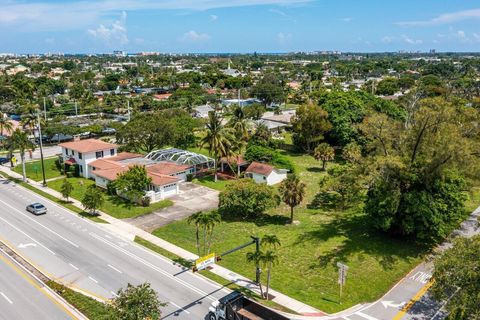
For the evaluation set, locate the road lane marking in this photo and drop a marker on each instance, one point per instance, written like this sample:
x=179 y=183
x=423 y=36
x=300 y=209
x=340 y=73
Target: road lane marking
x=364 y=315
x=421 y=277
x=114 y=268
x=41 y=245
x=92 y=279
x=415 y=298
x=45 y=227
x=152 y=266
x=6 y=298
x=180 y=308
x=71 y=265
x=114 y=294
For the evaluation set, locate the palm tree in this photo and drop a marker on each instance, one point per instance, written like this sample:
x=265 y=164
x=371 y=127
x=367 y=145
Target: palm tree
x=213 y=218
x=19 y=140
x=6 y=126
x=292 y=191
x=257 y=259
x=270 y=241
x=269 y=259
x=219 y=139
x=324 y=152
x=239 y=122
x=206 y=221
x=195 y=219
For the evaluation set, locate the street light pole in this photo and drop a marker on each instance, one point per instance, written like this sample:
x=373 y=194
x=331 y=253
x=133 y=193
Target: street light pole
x=41 y=149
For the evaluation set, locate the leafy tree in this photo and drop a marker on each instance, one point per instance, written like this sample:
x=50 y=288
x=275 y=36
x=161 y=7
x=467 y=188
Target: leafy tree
x=456 y=275
x=309 y=125
x=66 y=189
x=292 y=191
x=218 y=138
x=207 y=222
x=92 y=199
x=246 y=199
x=19 y=140
x=388 y=86
x=133 y=182
x=6 y=126
x=269 y=89
x=352 y=153
x=324 y=152
x=136 y=303
x=264 y=154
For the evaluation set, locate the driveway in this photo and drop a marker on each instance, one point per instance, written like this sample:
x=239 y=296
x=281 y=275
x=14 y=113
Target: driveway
x=192 y=198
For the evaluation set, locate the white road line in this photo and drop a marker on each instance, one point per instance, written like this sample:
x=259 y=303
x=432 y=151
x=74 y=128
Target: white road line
x=41 y=245
x=114 y=268
x=114 y=294
x=366 y=316
x=71 y=265
x=176 y=305
x=6 y=298
x=45 y=227
x=92 y=279
x=152 y=266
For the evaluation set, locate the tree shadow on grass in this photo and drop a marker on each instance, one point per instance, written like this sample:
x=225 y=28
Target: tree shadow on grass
x=262 y=220
x=121 y=202
x=360 y=238
x=315 y=169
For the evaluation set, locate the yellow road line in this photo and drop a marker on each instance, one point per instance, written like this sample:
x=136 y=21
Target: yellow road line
x=415 y=298
x=36 y=286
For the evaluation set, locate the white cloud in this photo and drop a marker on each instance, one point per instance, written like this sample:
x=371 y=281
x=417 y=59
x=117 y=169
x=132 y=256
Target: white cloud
x=284 y=38
x=116 y=34
x=74 y=14
x=444 y=18
x=387 y=39
x=283 y=14
x=194 y=36
x=409 y=40
x=213 y=17
x=459 y=36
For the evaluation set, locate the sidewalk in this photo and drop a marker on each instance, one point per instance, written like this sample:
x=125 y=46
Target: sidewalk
x=129 y=232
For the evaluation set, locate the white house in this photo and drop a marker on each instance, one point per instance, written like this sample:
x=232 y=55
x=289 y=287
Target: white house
x=264 y=173
x=83 y=152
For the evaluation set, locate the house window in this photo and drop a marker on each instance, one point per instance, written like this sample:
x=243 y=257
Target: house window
x=73 y=152
x=66 y=152
x=80 y=155
x=99 y=154
x=264 y=178
x=81 y=169
x=112 y=152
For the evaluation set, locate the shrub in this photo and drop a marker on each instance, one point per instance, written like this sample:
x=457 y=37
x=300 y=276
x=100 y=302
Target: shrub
x=189 y=177
x=146 y=201
x=265 y=154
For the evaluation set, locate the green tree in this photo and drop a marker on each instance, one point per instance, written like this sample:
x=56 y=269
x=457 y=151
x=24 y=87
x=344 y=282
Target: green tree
x=66 y=189
x=256 y=258
x=456 y=274
x=292 y=191
x=246 y=199
x=309 y=126
x=207 y=222
x=19 y=140
x=269 y=89
x=269 y=259
x=136 y=303
x=6 y=126
x=92 y=199
x=324 y=152
x=218 y=138
x=352 y=153
x=133 y=182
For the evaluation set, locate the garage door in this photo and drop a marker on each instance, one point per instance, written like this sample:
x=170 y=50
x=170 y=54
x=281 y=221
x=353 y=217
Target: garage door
x=170 y=190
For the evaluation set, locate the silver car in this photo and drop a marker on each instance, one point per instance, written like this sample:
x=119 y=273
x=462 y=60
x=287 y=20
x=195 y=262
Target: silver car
x=37 y=208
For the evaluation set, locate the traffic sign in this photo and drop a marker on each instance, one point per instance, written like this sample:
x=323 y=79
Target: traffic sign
x=342 y=273
x=205 y=261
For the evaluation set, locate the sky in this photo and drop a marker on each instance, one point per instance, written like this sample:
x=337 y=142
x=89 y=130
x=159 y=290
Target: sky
x=238 y=26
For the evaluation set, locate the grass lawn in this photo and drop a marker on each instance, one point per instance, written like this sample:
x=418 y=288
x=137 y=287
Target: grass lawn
x=113 y=205
x=34 y=169
x=208 y=181
x=307 y=265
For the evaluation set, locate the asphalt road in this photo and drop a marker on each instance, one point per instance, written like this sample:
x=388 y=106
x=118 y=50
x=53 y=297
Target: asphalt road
x=22 y=297
x=82 y=255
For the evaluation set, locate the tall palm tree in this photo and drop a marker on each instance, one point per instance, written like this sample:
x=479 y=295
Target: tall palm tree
x=213 y=219
x=257 y=259
x=324 y=152
x=239 y=122
x=207 y=222
x=270 y=241
x=6 y=126
x=269 y=259
x=19 y=140
x=195 y=219
x=292 y=191
x=218 y=138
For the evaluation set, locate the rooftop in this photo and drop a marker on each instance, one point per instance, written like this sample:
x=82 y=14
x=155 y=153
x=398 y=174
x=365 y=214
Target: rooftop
x=260 y=168
x=88 y=145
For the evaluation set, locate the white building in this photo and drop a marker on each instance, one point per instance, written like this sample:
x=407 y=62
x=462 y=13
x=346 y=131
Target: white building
x=83 y=152
x=264 y=173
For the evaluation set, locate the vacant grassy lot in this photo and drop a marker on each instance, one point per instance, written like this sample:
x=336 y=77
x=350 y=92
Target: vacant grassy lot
x=113 y=205
x=209 y=182
x=34 y=169
x=307 y=266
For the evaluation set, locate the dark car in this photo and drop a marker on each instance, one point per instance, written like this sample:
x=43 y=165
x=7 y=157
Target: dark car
x=37 y=208
x=4 y=160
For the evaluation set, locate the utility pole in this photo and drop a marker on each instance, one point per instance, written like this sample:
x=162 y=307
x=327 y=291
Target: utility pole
x=128 y=109
x=239 y=96
x=76 y=111
x=41 y=148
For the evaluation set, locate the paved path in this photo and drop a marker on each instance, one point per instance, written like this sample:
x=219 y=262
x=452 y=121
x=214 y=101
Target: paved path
x=191 y=198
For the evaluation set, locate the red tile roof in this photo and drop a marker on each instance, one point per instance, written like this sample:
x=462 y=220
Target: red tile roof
x=260 y=168
x=167 y=168
x=157 y=179
x=238 y=160
x=103 y=164
x=161 y=179
x=88 y=145
x=124 y=156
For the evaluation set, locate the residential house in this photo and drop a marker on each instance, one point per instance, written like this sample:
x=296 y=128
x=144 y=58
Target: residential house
x=265 y=173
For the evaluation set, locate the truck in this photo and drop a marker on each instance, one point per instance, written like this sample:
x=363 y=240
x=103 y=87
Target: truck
x=235 y=306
